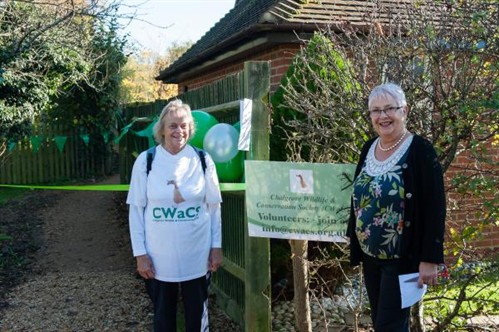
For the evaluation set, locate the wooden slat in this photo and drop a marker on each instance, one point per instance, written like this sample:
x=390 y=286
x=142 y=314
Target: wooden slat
x=24 y=166
x=257 y=285
x=243 y=283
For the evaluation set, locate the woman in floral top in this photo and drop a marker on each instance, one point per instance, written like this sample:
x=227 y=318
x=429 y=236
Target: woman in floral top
x=398 y=209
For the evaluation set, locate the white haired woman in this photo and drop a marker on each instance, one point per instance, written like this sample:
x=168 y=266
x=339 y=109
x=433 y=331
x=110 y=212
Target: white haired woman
x=175 y=221
x=397 y=217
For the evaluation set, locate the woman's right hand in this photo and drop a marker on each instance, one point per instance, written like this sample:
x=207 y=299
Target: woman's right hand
x=145 y=267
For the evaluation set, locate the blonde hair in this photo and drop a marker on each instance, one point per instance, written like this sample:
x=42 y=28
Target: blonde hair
x=175 y=106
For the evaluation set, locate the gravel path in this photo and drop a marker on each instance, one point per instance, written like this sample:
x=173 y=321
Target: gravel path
x=83 y=277
x=68 y=267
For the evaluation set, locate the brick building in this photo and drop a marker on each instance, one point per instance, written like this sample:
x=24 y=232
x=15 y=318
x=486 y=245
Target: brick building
x=273 y=30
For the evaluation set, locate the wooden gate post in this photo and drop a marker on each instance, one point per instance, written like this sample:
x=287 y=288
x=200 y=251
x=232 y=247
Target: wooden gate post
x=257 y=314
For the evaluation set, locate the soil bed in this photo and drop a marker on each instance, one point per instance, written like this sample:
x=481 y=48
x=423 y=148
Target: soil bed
x=68 y=266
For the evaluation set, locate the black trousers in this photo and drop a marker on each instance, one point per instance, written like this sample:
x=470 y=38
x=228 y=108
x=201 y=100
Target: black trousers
x=164 y=297
x=383 y=290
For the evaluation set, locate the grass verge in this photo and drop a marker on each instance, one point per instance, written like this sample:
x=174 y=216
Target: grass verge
x=7 y=194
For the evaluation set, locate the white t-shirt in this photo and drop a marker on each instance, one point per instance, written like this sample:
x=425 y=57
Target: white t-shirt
x=177 y=237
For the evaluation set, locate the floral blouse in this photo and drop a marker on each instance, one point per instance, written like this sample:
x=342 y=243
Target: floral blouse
x=378 y=199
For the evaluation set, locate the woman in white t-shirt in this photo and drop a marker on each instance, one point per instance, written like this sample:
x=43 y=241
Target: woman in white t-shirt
x=175 y=221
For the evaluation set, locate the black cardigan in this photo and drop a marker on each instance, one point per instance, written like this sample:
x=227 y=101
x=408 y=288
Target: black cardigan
x=425 y=207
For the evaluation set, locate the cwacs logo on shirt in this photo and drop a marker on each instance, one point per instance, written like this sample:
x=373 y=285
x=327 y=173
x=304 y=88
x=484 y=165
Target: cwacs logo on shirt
x=174 y=214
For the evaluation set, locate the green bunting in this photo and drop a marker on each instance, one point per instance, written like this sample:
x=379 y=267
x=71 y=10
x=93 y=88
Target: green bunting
x=147 y=132
x=105 y=136
x=151 y=141
x=60 y=142
x=124 y=131
x=85 y=138
x=12 y=145
x=36 y=141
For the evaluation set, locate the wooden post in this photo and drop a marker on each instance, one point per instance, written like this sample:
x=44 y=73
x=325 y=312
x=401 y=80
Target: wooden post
x=257 y=258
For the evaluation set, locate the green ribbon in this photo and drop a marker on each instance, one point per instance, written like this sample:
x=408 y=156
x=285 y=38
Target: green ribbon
x=106 y=187
x=112 y=187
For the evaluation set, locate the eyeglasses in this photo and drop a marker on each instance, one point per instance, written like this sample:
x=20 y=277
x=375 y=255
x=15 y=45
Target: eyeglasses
x=388 y=111
x=174 y=126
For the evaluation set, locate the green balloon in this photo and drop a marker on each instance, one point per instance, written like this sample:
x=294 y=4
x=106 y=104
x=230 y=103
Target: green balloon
x=203 y=121
x=237 y=125
x=243 y=158
x=232 y=170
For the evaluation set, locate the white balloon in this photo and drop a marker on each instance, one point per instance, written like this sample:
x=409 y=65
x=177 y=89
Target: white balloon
x=221 y=142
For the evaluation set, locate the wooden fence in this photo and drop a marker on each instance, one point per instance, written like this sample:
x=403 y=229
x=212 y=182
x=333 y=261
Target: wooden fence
x=80 y=156
x=242 y=285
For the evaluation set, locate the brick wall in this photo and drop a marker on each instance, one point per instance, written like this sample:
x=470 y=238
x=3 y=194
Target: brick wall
x=467 y=208
x=464 y=208
x=280 y=57
x=211 y=76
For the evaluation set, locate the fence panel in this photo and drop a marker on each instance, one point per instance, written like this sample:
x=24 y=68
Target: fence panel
x=39 y=160
x=242 y=285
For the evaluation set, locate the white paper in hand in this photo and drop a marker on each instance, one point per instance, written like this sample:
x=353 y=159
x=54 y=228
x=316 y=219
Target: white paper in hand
x=409 y=289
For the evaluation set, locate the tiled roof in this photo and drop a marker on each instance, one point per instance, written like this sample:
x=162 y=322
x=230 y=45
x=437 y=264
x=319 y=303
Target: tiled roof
x=336 y=11
x=248 y=16
x=245 y=14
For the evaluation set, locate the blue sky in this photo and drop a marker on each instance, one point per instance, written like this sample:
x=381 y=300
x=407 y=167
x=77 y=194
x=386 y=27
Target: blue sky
x=187 y=20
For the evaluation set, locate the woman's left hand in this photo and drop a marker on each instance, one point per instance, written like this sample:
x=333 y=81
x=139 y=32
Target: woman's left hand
x=428 y=273
x=215 y=259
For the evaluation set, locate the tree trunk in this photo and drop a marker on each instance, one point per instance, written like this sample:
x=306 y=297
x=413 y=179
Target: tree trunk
x=417 y=318
x=3 y=148
x=300 y=281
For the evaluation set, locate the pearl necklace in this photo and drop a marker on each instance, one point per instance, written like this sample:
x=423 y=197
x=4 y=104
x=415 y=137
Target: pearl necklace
x=374 y=167
x=394 y=145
